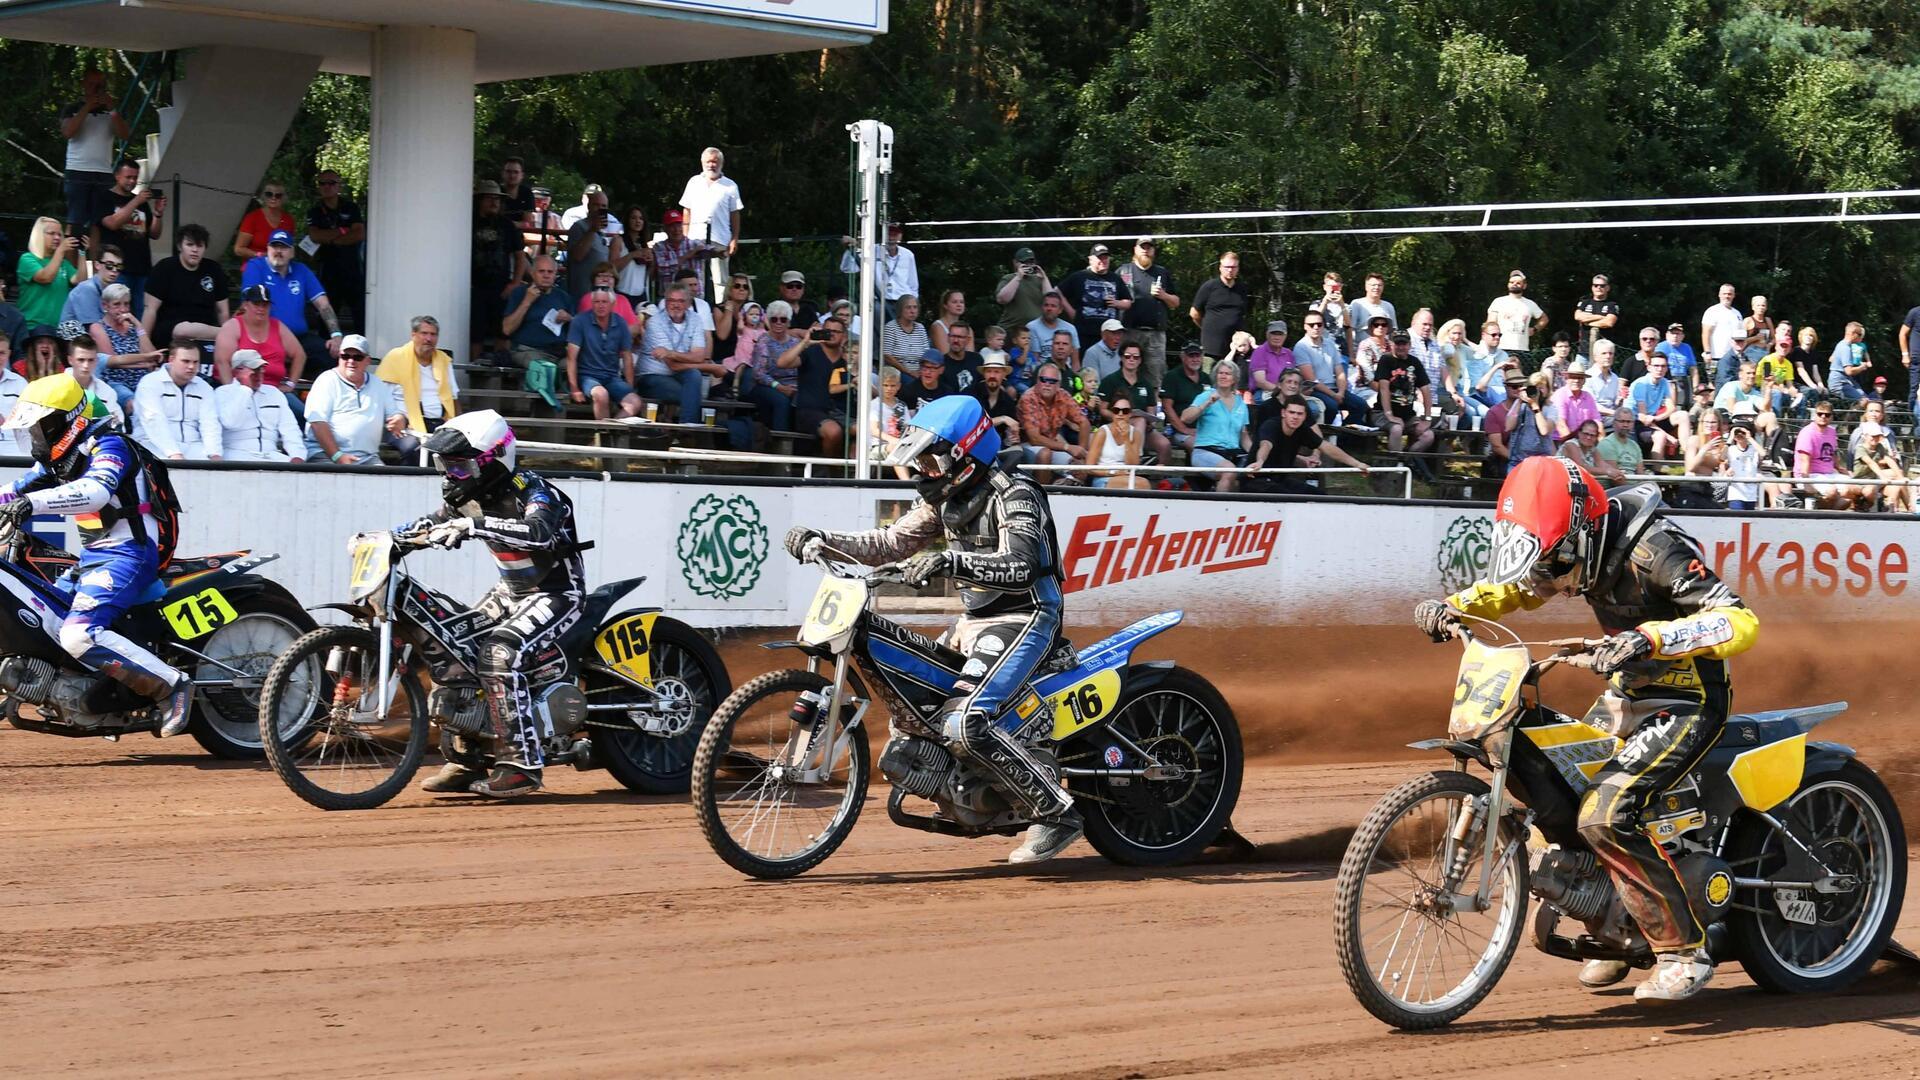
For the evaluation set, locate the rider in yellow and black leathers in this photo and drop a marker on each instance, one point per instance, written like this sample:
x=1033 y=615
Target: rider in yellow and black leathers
x=1673 y=625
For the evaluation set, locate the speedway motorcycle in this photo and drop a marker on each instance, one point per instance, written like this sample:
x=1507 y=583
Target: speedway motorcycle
x=627 y=692
x=1792 y=852
x=1150 y=751
x=210 y=616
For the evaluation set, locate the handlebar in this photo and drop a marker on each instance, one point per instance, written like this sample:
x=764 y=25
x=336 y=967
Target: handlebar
x=841 y=564
x=1573 y=652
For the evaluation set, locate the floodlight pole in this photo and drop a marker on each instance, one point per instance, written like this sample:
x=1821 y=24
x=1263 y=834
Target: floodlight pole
x=875 y=142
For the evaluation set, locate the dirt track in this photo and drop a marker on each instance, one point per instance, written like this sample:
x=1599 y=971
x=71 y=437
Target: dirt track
x=163 y=915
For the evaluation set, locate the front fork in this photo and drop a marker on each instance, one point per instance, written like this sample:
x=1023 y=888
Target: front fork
x=811 y=752
x=1479 y=814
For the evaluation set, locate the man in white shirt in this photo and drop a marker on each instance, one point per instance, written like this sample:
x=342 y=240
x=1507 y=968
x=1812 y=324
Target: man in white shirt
x=173 y=410
x=255 y=422
x=350 y=413
x=712 y=202
x=1519 y=317
x=1722 y=330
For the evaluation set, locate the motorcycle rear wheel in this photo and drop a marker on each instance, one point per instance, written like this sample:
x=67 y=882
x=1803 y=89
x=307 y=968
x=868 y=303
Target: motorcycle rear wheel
x=1393 y=924
x=226 y=720
x=685 y=665
x=756 y=817
x=337 y=756
x=1847 y=817
x=1181 y=720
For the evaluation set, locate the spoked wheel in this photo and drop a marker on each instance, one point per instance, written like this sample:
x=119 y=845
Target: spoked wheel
x=1412 y=946
x=774 y=800
x=1181 y=723
x=320 y=728
x=227 y=718
x=691 y=681
x=1802 y=941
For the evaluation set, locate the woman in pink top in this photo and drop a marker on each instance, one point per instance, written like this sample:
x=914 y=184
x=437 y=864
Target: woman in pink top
x=255 y=328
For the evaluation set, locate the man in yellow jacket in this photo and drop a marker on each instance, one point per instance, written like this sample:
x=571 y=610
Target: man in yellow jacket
x=1673 y=624
x=424 y=374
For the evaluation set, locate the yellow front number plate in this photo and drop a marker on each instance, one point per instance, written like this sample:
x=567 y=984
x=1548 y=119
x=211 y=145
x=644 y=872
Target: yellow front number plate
x=1488 y=689
x=834 y=608
x=626 y=646
x=1085 y=702
x=198 y=615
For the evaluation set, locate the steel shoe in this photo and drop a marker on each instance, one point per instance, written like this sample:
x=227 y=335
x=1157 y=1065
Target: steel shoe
x=1598 y=973
x=1677 y=977
x=1047 y=839
x=508 y=782
x=452 y=778
x=177 y=710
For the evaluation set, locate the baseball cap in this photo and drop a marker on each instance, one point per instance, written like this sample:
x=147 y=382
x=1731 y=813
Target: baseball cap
x=1112 y=324
x=486 y=187
x=593 y=189
x=355 y=342
x=1024 y=254
x=280 y=238
x=1277 y=326
x=248 y=358
x=1879 y=380
x=1144 y=241
x=1521 y=274
x=1702 y=389
x=1671 y=327
x=1870 y=427
x=1399 y=337
x=1100 y=249
x=933 y=356
x=256 y=293
x=793 y=277
x=673 y=217
x=1192 y=348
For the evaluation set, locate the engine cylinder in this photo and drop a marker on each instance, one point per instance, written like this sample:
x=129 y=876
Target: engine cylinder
x=27 y=678
x=1574 y=882
x=918 y=766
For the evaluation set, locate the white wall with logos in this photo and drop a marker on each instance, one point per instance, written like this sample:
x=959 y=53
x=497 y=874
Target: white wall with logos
x=712 y=553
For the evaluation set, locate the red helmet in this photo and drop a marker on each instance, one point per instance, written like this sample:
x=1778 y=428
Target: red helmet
x=1547 y=530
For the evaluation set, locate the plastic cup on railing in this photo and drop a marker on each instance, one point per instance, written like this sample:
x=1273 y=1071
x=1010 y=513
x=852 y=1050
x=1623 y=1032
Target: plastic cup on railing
x=653 y=411
x=707 y=416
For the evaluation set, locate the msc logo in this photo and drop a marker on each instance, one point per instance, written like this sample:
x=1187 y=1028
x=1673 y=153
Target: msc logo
x=1464 y=552
x=722 y=546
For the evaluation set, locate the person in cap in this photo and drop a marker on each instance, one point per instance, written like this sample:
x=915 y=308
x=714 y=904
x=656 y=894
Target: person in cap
x=1406 y=397
x=932 y=382
x=86 y=468
x=292 y=287
x=499 y=260
x=1096 y=294
x=677 y=250
x=256 y=421
x=1673 y=625
x=255 y=328
x=1102 y=358
x=173 y=411
x=1499 y=431
x=804 y=313
x=998 y=397
x=1019 y=293
x=1268 y=359
x=42 y=351
x=1573 y=405
x=1177 y=391
x=350 y=414
x=528 y=526
x=1000 y=548
x=1744 y=456
x=1876 y=459
x=1519 y=317
x=1154 y=301
x=1683 y=364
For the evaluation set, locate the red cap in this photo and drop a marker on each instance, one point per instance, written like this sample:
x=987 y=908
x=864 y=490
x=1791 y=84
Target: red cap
x=673 y=217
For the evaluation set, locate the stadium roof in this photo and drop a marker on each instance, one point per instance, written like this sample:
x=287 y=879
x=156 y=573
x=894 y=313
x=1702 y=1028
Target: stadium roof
x=586 y=35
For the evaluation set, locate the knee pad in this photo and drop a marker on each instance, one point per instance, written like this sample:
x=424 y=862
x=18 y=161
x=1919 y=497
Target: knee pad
x=76 y=638
x=498 y=657
x=965 y=728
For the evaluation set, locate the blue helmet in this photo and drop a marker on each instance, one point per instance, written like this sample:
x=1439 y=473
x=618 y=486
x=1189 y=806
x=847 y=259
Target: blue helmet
x=950 y=445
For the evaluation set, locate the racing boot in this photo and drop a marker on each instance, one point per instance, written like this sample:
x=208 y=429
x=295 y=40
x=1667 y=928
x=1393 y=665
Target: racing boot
x=1046 y=839
x=1677 y=977
x=508 y=781
x=177 y=710
x=453 y=778
x=1598 y=973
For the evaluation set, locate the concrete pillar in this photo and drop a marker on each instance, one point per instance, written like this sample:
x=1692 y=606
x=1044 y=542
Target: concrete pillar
x=420 y=205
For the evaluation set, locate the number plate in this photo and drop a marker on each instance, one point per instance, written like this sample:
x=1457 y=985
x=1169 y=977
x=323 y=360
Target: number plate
x=835 y=607
x=1488 y=690
x=627 y=646
x=372 y=554
x=1084 y=703
x=198 y=615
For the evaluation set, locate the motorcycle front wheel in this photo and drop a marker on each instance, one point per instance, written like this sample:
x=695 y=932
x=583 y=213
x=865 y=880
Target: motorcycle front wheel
x=772 y=799
x=1414 y=951
x=319 y=727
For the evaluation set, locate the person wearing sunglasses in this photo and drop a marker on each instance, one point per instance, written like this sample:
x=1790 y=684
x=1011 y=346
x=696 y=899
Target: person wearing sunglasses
x=1598 y=313
x=270 y=217
x=1114 y=444
x=83 y=304
x=131 y=216
x=336 y=223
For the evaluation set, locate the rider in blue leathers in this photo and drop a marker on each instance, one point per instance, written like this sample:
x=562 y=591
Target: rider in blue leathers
x=86 y=469
x=1002 y=550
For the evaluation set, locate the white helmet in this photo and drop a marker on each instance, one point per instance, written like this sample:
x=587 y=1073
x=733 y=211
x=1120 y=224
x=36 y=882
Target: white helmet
x=474 y=451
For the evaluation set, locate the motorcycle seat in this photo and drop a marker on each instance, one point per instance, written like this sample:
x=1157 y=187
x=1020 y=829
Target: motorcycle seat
x=189 y=566
x=1762 y=728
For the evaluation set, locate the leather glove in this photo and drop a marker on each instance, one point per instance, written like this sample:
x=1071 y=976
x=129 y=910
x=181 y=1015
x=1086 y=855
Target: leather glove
x=450 y=534
x=14 y=509
x=1436 y=619
x=1620 y=650
x=924 y=567
x=798 y=539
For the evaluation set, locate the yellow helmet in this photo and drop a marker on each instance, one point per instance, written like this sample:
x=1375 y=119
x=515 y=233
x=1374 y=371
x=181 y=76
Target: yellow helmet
x=58 y=414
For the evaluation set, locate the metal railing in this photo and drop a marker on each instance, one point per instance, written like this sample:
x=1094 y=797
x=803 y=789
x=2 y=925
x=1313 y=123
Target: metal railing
x=1405 y=473
x=1791 y=481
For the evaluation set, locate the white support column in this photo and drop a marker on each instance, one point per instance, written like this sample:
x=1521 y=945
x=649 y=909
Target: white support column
x=420 y=211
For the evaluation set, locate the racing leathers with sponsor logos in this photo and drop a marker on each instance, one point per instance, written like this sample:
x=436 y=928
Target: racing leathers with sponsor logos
x=1673 y=624
x=528 y=525
x=1003 y=553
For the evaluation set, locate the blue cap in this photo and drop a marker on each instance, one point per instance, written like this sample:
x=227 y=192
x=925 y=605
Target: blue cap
x=281 y=237
x=933 y=356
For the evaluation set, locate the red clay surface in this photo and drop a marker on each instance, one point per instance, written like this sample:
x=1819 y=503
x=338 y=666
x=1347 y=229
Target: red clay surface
x=163 y=914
